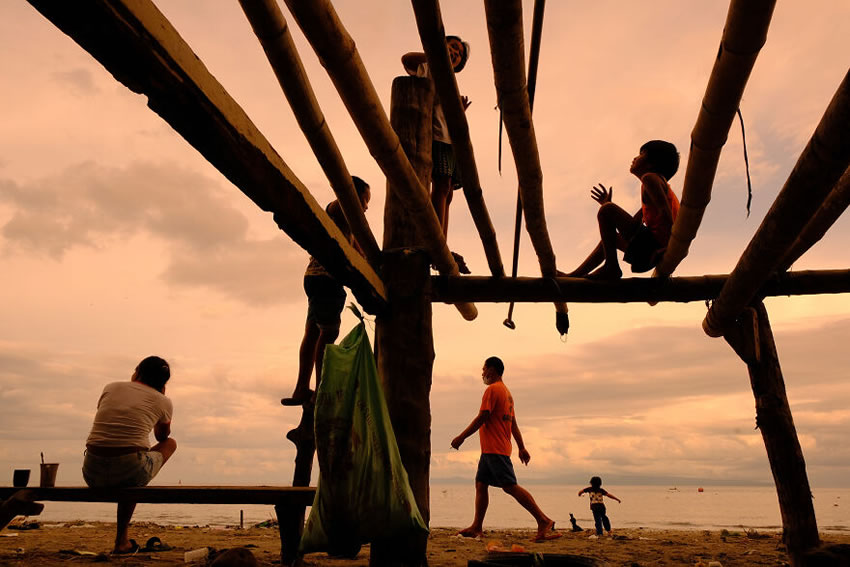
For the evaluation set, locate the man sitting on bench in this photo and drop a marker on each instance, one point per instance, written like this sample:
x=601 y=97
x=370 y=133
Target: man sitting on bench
x=117 y=449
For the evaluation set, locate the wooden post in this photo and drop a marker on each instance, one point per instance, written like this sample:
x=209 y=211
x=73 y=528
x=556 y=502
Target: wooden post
x=403 y=335
x=752 y=339
x=290 y=519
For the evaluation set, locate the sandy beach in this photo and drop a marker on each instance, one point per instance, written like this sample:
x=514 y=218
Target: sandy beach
x=80 y=543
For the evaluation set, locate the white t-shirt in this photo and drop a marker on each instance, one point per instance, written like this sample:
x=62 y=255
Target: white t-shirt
x=126 y=415
x=440 y=130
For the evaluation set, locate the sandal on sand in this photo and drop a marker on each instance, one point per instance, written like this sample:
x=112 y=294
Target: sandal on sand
x=546 y=534
x=155 y=544
x=134 y=548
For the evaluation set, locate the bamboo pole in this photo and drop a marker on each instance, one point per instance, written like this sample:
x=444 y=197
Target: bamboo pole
x=504 y=27
x=834 y=205
x=433 y=36
x=774 y=420
x=338 y=54
x=627 y=290
x=135 y=42
x=272 y=30
x=744 y=35
x=825 y=158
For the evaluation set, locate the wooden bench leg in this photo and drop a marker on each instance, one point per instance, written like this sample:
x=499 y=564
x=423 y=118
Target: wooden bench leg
x=19 y=504
x=290 y=520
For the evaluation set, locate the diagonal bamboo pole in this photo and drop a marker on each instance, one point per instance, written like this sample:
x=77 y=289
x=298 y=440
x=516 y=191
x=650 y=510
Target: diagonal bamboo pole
x=433 y=36
x=833 y=206
x=338 y=54
x=822 y=162
x=273 y=32
x=744 y=35
x=504 y=27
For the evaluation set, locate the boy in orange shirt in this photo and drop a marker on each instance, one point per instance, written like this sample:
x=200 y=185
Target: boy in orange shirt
x=495 y=423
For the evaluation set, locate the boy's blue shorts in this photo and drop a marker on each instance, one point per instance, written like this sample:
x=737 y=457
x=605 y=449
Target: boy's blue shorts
x=495 y=470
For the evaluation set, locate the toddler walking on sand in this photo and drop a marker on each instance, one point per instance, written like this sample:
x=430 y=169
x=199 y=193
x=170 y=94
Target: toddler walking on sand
x=597 y=506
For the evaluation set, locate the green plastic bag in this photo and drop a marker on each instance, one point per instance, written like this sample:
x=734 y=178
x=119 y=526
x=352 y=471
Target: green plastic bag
x=363 y=493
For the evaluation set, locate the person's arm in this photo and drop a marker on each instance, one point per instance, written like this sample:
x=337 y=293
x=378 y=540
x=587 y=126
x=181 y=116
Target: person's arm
x=161 y=431
x=524 y=455
x=411 y=61
x=612 y=497
x=582 y=491
x=653 y=186
x=476 y=424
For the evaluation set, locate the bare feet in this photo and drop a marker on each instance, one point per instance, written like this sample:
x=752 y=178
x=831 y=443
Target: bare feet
x=606 y=273
x=127 y=548
x=471 y=532
x=546 y=532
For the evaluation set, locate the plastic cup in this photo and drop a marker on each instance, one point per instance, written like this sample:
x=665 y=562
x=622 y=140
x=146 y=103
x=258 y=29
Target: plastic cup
x=48 y=474
x=21 y=478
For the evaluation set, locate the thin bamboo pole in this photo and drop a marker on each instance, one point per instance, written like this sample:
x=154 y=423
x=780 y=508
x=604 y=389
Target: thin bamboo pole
x=744 y=35
x=825 y=158
x=627 y=290
x=504 y=27
x=834 y=205
x=272 y=30
x=338 y=54
x=433 y=36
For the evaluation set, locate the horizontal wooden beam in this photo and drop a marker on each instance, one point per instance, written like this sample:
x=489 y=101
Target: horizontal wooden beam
x=135 y=42
x=626 y=290
x=291 y=495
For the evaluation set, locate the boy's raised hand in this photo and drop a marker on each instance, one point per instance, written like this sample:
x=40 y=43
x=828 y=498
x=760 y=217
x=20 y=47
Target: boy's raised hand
x=602 y=194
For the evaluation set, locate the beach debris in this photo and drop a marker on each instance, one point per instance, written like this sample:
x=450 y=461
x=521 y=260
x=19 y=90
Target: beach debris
x=196 y=555
x=4 y=534
x=25 y=526
x=266 y=524
x=78 y=552
x=235 y=557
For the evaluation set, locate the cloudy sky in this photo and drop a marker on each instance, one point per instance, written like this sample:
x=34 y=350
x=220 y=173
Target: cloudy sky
x=118 y=240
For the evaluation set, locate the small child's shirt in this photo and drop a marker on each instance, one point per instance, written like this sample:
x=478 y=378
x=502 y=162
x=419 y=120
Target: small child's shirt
x=440 y=130
x=596 y=494
x=654 y=218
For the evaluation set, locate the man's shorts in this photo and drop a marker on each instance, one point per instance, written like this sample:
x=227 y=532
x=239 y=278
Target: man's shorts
x=495 y=470
x=132 y=469
x=325 y=300
x=642 y=249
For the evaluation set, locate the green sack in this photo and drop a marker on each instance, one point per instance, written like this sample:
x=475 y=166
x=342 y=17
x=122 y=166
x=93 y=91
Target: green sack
x=363 y=493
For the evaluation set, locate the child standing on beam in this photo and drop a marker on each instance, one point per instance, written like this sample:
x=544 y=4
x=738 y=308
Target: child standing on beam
x=445 y=176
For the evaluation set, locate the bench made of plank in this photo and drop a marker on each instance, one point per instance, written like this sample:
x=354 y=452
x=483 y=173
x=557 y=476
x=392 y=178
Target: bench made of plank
x=275 y=495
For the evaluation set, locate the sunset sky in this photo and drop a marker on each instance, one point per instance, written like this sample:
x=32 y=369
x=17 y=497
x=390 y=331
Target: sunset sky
x=118 y=240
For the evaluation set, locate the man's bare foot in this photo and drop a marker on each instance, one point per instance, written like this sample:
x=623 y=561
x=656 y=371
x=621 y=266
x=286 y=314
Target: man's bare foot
x=546 y=532
x=606 y=273
x=127 y=548
x=471 y=532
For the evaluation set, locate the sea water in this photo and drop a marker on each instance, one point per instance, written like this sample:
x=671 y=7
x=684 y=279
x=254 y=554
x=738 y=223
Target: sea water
x=681 y=507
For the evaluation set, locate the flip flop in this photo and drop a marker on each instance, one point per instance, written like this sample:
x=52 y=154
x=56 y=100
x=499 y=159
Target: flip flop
x=546 y=537
x=155 y=544
x=134 y=548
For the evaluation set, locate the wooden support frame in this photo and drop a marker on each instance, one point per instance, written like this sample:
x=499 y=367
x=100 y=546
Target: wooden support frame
x=752 y=334
x=433 y=36
x=504 y=27
x=823 y=161
x=272 y=30
x=338 y=54
x=135 y=42
x=744 y=35
x=626 y=290
x=834 y=205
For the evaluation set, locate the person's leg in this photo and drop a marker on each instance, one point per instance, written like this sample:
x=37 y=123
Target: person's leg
x=306 y=362
x=597 y=519
x=616 y=227
x=441 y=191
x=327 y=336
x=482 y=501
x=521 y=495
x=122 y=535
x=606 y=523
x=165 y=448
